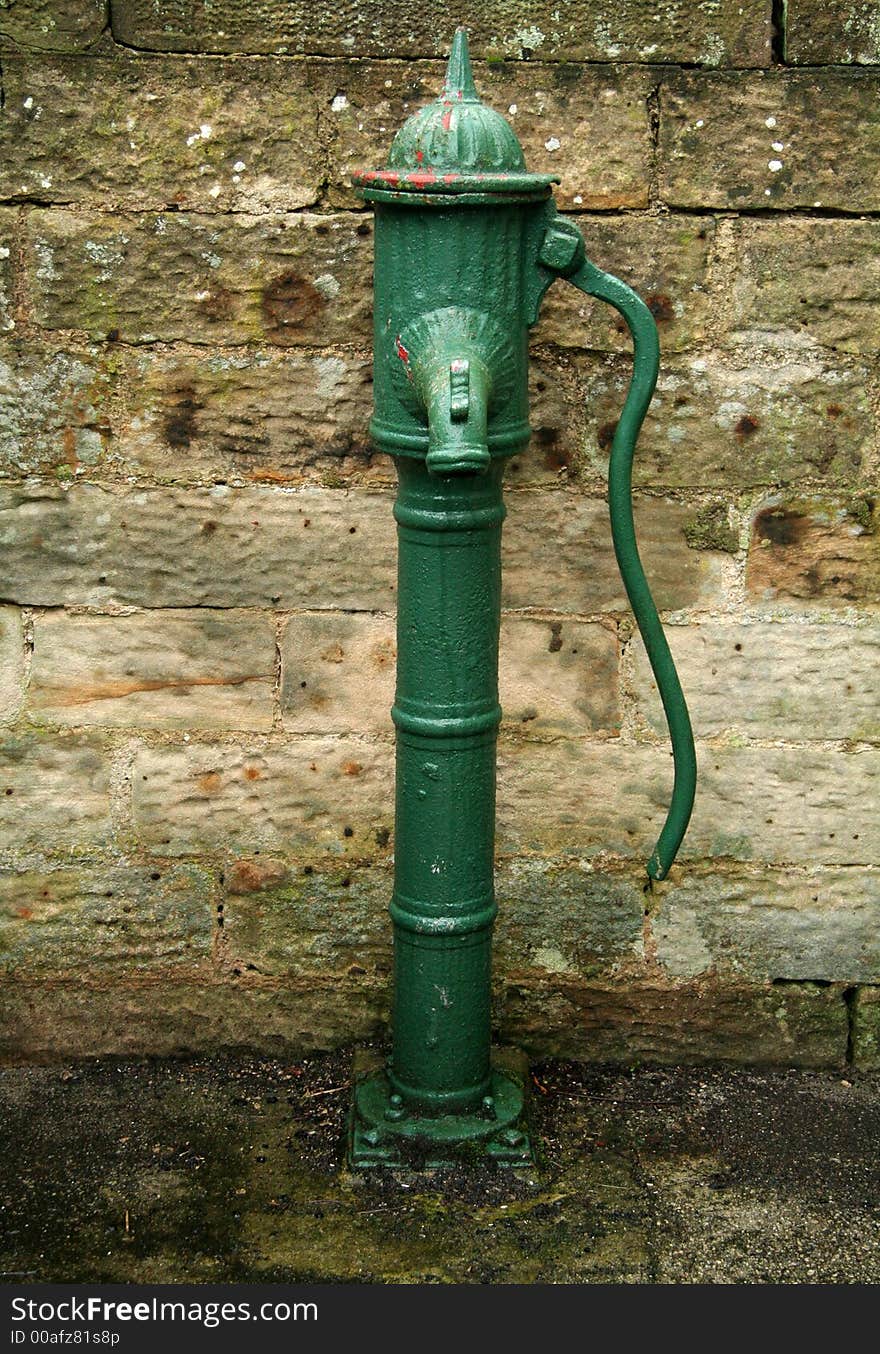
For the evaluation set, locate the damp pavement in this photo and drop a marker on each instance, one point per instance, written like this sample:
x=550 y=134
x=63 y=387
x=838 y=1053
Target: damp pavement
x=233 y=1170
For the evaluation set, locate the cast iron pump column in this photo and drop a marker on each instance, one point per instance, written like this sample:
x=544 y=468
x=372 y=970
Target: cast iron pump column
x=467 y=243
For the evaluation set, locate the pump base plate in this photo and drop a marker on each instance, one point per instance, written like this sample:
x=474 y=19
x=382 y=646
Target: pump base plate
x=382 y=1134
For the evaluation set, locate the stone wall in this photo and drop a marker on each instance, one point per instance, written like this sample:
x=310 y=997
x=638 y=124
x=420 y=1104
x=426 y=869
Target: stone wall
x=197 y=573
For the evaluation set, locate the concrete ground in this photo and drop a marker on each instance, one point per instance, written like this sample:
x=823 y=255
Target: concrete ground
x=231 y=1170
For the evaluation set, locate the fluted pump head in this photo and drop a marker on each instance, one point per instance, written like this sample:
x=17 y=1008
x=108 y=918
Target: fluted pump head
x=456 y=145
x=458 y=133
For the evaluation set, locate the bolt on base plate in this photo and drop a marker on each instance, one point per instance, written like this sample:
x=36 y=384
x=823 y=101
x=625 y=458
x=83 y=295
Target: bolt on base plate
x=382 y=1132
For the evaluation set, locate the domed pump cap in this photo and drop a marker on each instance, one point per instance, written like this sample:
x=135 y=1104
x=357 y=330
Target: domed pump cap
x=456 y=146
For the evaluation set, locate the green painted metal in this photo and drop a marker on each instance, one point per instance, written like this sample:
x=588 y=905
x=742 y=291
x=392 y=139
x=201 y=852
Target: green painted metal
x=646 y=362
x=466 y=244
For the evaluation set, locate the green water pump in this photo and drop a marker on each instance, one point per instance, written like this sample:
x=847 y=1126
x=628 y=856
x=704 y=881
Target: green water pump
x=467 y=242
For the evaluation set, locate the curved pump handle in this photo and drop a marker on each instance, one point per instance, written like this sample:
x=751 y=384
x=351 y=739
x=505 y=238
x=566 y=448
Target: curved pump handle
x=563 y=254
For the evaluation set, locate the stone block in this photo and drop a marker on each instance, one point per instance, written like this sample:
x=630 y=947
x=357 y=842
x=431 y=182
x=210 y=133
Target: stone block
x=78 y=923
x=866 y=1029
x=814 y=551
x=736 y=419
x=831 y=32
x=782 y=805
x=779 y=139
x=263 y=414
x=557 y=555
x=799 y=926
x=560 y=918
x=11 y=663
x=178 y=547
x=802 y=284
x=318 y=796
x=558 y=678
x=45 y=1020
x=54 y=790
x=329 y=922
x=770 y=680
x=230 y=278
x=181 y=134
x=56 y=410
x=337 y=672
x=798 y=1025
x=52 y=25
x=580 y=30
x=160 y=669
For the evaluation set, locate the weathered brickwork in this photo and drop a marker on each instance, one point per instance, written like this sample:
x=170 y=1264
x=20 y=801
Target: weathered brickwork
x=197 y=576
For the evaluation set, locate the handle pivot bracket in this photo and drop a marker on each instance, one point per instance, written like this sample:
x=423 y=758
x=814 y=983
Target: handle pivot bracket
x=562 y=248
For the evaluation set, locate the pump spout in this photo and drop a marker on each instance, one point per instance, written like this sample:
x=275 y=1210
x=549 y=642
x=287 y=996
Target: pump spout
x=455 y=367
x=456 y=396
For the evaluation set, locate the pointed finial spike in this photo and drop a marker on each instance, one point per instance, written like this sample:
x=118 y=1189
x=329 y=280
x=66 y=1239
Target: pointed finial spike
x=459 y=76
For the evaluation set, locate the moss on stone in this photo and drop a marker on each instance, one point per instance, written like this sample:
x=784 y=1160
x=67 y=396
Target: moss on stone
x=710 y=529
x=861 y=510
